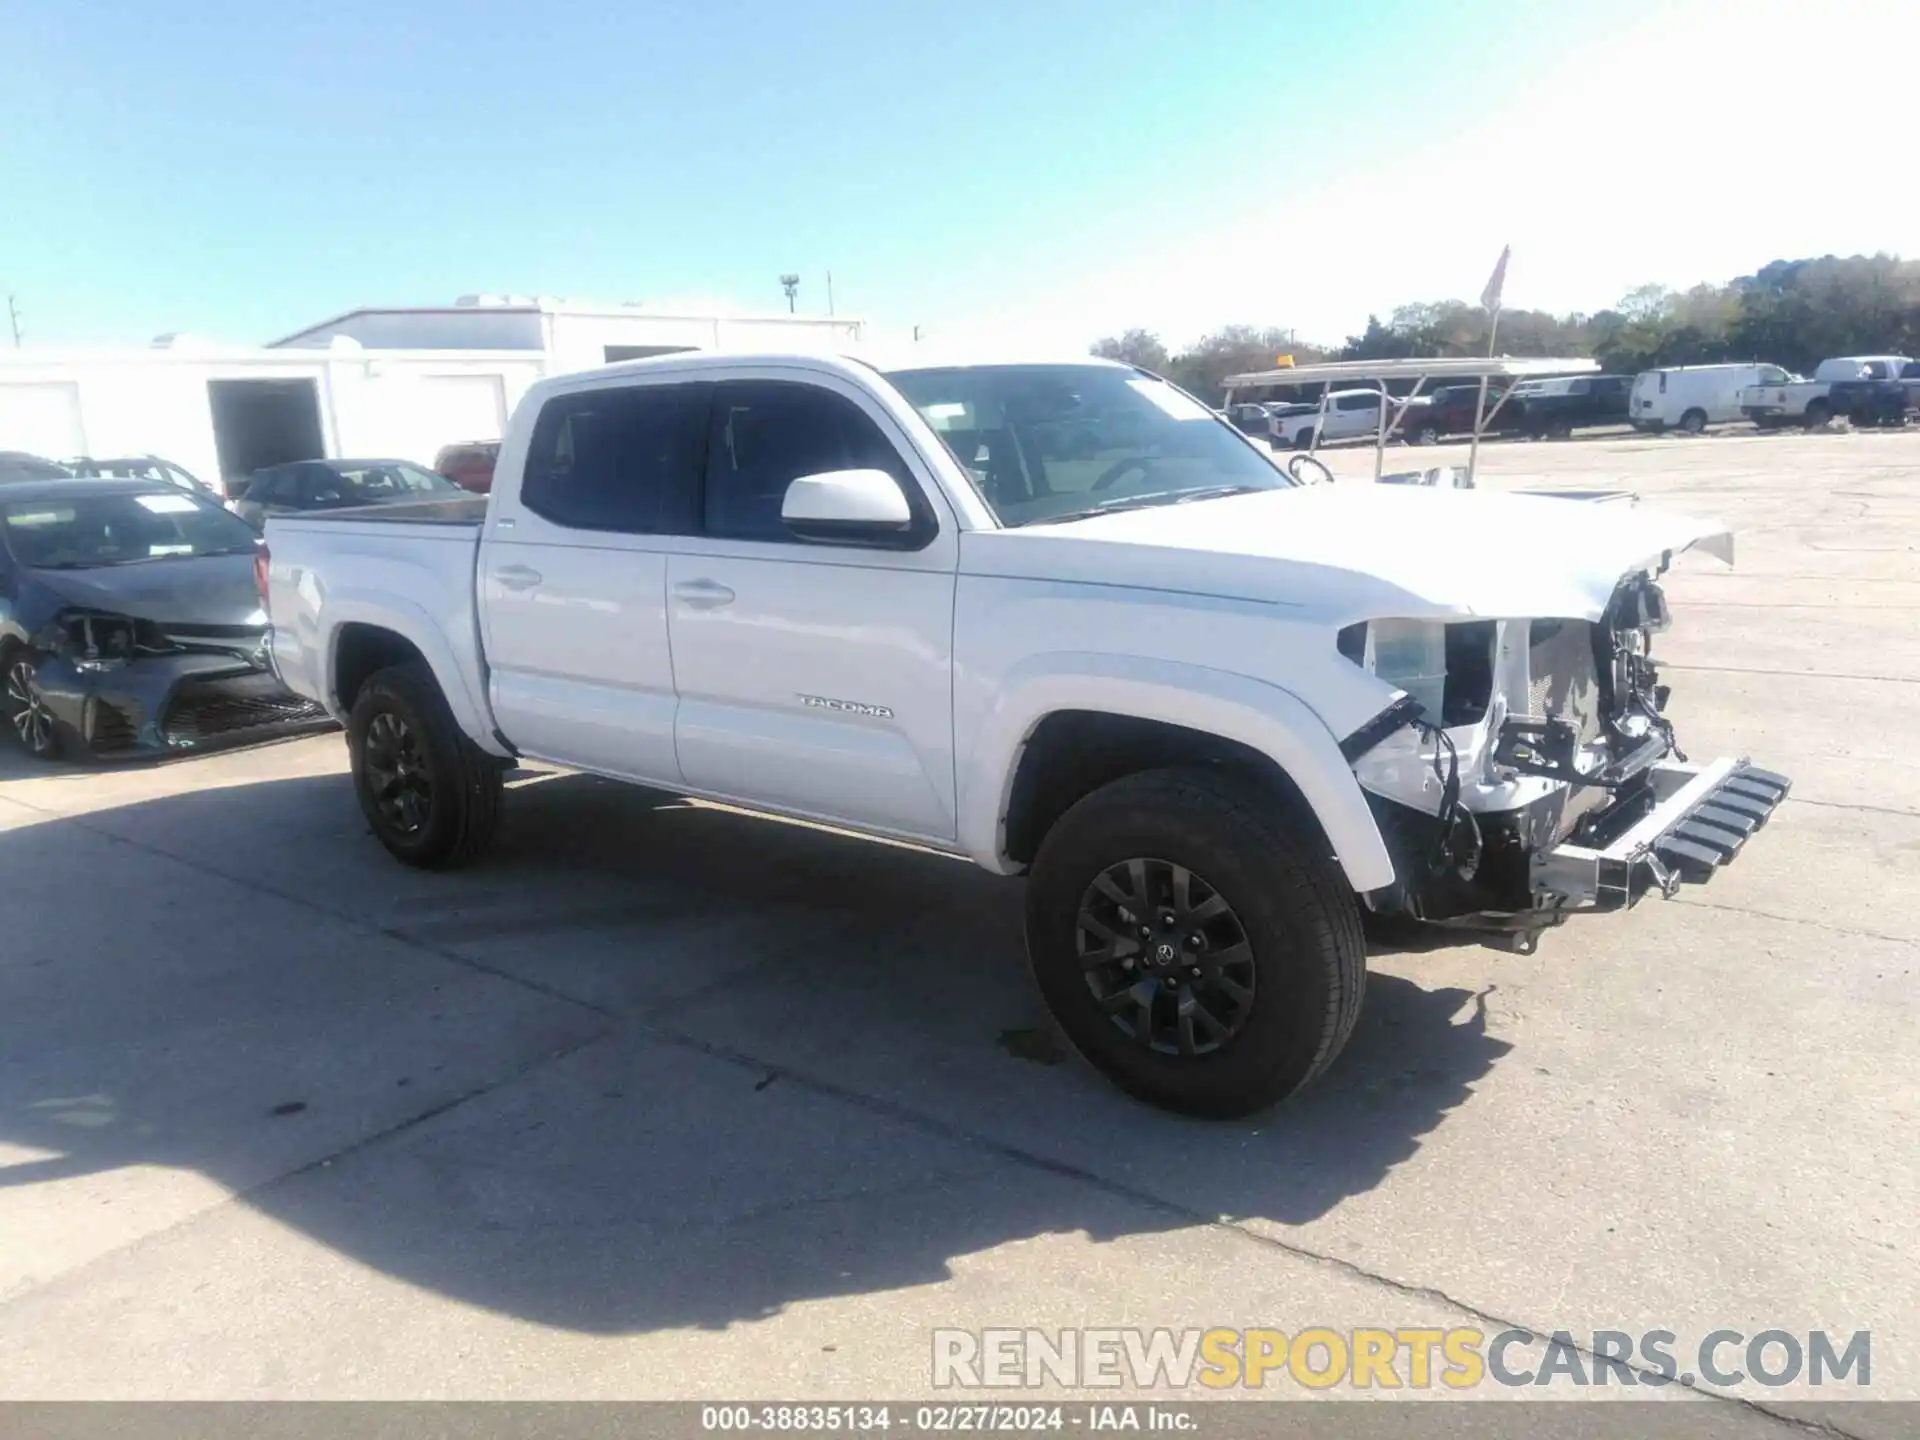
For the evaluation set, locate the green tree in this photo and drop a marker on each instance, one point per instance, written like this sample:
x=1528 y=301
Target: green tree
x=1235 y=350
x=1135 y=347
x=1794 y=313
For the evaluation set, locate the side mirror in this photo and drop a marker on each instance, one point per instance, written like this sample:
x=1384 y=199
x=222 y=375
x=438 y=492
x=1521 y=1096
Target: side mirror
x=858 y=507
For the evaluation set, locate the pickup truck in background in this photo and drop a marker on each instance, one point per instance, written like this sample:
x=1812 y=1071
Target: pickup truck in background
x=1216 y=717
x=1553 y=409
x=1339 y=415
x=1863 y=389
x=1450 y=409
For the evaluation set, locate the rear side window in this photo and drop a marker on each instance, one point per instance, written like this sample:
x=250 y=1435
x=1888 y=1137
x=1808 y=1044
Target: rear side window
x=623 y=459
x=765 y=434
x=1357 y=402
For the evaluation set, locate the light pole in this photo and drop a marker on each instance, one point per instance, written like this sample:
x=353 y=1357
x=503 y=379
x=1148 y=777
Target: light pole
x=790 y=284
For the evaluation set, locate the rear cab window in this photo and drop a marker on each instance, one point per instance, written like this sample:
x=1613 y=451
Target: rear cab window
x=618 y=458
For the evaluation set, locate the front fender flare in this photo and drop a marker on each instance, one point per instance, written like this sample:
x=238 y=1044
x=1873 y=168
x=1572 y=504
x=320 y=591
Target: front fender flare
x=1272 y=721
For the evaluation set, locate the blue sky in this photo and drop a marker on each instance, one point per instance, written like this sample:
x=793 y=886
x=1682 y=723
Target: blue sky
x=1054 y=167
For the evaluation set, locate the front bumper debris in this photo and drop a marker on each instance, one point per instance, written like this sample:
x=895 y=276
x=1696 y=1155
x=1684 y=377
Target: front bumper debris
x=172 y=704
x=1698 y=819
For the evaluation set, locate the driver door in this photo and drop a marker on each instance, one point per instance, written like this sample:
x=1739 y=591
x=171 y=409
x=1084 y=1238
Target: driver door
x=813 y=677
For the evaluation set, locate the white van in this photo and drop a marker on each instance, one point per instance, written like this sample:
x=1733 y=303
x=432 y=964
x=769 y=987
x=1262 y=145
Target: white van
x=1692 y=397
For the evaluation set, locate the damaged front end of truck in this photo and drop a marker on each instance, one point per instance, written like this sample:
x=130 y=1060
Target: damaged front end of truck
x=1527 y=771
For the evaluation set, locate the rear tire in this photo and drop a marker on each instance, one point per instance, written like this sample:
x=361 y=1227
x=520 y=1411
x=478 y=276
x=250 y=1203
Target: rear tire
x=1694 y=422
x=1817 y=413
x=1280 y=950
x=1423 y=435
x=431 y=795
x=1304 y=440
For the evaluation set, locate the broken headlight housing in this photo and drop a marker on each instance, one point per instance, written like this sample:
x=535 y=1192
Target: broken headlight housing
x=95 y=644
x=1446 y=668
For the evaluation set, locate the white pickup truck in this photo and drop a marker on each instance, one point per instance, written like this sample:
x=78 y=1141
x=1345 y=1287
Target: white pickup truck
x=1868 y=385
x=1059 y=619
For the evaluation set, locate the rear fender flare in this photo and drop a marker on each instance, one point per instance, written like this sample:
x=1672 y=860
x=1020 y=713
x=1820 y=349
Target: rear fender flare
x=414 y=625
x=1265 y=718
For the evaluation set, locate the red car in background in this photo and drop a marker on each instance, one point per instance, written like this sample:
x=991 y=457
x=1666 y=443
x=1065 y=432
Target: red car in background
x=469 y=464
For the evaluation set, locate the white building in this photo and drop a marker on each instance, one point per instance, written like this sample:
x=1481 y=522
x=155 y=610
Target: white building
x=572 y=336
x=396 y=383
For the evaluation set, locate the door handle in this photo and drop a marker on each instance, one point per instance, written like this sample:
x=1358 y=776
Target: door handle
x=517 y=577
x=703 y=594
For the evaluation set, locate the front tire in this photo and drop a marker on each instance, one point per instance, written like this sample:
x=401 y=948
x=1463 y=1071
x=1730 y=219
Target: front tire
x=431 y=795
x=28 y=720
x=1247 y=980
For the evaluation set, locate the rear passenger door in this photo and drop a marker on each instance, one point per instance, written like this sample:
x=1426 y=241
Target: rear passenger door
x=814 y=677
x=572 y=578
x=1354 y=415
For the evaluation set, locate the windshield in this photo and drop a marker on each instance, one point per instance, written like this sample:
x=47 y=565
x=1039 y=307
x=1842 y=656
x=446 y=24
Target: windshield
x=1044 y=442
x=81 y=532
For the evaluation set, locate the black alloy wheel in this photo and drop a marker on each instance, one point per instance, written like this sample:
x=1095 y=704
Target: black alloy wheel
x=1195 y=940
x=27 y=713
x=397 y=774
x=429 y=794
x=1166 y=958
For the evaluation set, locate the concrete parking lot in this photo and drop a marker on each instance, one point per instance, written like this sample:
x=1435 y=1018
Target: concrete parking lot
x=665 y=1101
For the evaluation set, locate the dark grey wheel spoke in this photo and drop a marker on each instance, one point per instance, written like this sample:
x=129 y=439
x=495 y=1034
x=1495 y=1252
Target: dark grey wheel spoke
x=1209 y=1020
x=1182 y=886
x=1233 y=989
x=1214 y=904
x=396 y=773
x=1142 y=887
x=1185 y=1030
x=1156 y=942
x=1143 y=1014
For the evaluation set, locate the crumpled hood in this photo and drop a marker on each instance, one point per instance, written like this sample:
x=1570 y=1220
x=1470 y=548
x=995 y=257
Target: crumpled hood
x=1359 y=550
x=188 y=591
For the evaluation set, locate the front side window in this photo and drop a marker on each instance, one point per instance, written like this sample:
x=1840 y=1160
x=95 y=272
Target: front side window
x=765 y=434
x=1048 y=442
x=619 y=459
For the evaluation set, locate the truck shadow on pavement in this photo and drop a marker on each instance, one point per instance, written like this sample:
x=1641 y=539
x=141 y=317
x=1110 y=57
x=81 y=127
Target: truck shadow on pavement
x=651 y=1064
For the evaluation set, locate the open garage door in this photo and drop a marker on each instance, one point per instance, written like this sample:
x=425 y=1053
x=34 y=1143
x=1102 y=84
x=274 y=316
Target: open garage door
x=257 y=423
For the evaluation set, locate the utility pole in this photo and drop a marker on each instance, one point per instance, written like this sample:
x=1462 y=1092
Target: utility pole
x=829 y=293
x=13 y=314
x=790 y=284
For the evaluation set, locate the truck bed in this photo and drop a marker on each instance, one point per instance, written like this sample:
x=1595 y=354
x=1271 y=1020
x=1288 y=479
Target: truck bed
x=423 y=551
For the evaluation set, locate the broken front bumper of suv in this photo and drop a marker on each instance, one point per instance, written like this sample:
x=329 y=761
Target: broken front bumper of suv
x=1692 y=820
